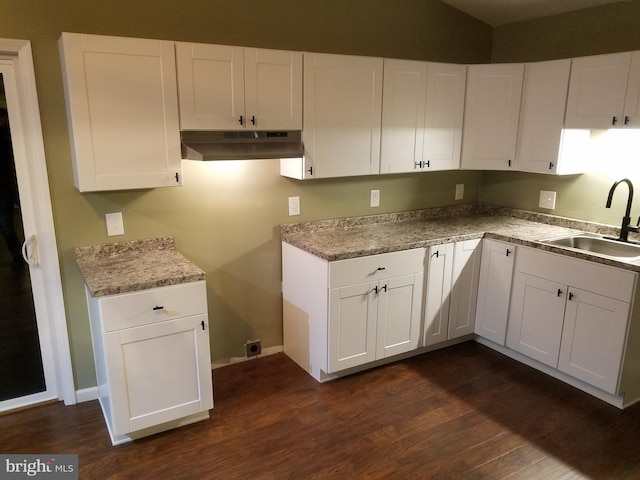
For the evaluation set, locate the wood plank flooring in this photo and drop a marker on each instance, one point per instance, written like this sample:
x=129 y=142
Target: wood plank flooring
x=464 y=412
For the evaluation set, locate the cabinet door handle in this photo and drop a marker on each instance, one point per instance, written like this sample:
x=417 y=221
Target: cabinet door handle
x=241 y=120
x=626 y=119
x=559 y=292
x=508 y=252
x=550 y=165
x=158 y=307
x=427 y=164
x=202 y=324
x=418 y=164
x=378 y=290
x=310 y=170
x=253 y=120
x=570 y=296
x=509 y=162
x=614 y=120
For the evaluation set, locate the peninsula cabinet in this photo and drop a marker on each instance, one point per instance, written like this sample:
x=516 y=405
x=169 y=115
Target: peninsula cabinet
x=571 y=315
x=122 y=112
x=342 y=115
x=451 y=290
x=544 y=146
x=422 y=112
x=234 y=88
x=604 y=92
x=153 y=364
x=494 y=290
x=492 y=111
x=348 y=313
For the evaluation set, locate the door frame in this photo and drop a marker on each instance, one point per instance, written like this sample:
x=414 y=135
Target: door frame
x=35 y=199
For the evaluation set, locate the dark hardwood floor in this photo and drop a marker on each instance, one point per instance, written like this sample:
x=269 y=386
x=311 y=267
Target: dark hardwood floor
x=464 y=412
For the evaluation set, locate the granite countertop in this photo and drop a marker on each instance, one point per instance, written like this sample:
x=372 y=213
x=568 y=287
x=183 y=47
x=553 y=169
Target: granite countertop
x=360 y=236
x=124 y=267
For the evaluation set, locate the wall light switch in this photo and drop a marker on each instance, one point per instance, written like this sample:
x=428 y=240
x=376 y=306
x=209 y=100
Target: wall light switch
x=459 y=191
x=114 y=224
x=375 y=198
x=294 y=206
x=547 y=199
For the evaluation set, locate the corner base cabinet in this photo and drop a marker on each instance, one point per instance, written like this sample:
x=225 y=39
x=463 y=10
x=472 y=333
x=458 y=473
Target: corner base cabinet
x=153 y=363
x=348 y=313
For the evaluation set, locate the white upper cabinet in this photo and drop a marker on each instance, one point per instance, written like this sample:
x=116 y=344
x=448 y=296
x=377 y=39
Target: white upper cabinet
x=492 y=110
x=446 y=85
x=342 y=115
x=422 y=111
x=604 y=92
x=543 y=144
x=233 y=88
x=403 y=107
x=122 y=111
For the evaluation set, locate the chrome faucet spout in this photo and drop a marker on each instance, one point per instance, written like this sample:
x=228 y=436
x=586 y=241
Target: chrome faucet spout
x=625 y=228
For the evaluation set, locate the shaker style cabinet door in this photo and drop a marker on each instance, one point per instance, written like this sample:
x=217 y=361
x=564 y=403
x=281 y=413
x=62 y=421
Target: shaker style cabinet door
x=122 y=111
x=342 y=115
x=597 y=91
x=492 y=111
x=446 y=85
x=544 y=146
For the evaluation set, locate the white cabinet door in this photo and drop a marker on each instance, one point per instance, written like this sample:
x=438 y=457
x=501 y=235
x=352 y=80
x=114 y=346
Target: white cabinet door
x=492 y=110
x=211 y=86
x=464 y=287
x=159 y=372
x=597 y=91
x=353 y=312
x=342 y=114
x=122 y=110
x=399 y=308
x=631 y=118
x=544 y=97
x=536 y=317
x=494 y=290
x=234 y=88
x=273 y=89
x=437 y=297
x=446 y=85
x=403 y=109
x=593 y=338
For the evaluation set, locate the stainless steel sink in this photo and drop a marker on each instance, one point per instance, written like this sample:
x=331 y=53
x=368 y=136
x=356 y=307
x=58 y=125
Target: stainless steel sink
x=599 y=245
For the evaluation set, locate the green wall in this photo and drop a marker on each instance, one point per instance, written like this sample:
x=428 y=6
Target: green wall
x=226 y=216
x=612 y=28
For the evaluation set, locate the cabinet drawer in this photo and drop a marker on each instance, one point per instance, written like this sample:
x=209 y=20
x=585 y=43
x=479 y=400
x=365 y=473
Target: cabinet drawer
x=374 y=267
x=153 y=305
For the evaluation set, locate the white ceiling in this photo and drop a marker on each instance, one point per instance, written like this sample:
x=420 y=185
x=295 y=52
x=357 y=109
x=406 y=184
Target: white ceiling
x=500 y=12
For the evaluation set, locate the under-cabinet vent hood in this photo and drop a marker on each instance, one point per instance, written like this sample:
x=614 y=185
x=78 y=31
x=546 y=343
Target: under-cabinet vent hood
x=240 y=145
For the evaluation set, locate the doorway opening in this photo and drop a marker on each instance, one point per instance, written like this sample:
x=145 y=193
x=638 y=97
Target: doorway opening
x=21 y=371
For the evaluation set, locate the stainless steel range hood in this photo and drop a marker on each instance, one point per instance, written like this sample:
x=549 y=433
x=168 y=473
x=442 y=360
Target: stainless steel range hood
x=240 y=145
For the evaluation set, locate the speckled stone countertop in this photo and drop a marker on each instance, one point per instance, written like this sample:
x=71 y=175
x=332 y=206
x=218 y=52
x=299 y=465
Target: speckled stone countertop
x=369 y=235
x=123 y=267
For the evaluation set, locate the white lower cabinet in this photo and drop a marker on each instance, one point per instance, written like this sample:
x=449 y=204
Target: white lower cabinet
x=494 y=290
x=152 y=356
x=571 y=315
x=347 y=313
x=451 y=290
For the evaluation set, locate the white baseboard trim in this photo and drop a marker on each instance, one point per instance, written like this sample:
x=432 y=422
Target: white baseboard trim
x=87 y=394
x=230 y=361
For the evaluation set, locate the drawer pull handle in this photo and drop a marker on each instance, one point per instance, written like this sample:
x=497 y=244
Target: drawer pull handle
x=158 y=308
x=382 y=268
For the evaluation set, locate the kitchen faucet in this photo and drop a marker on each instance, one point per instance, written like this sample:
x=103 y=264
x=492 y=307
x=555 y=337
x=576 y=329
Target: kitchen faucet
x=626 y=220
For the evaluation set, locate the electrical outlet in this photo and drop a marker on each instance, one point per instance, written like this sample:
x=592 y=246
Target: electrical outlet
x=459 y=191
x=114 y=224
x=547 y=199
x=253 y=348
x=294 y=206
x=375 y=198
